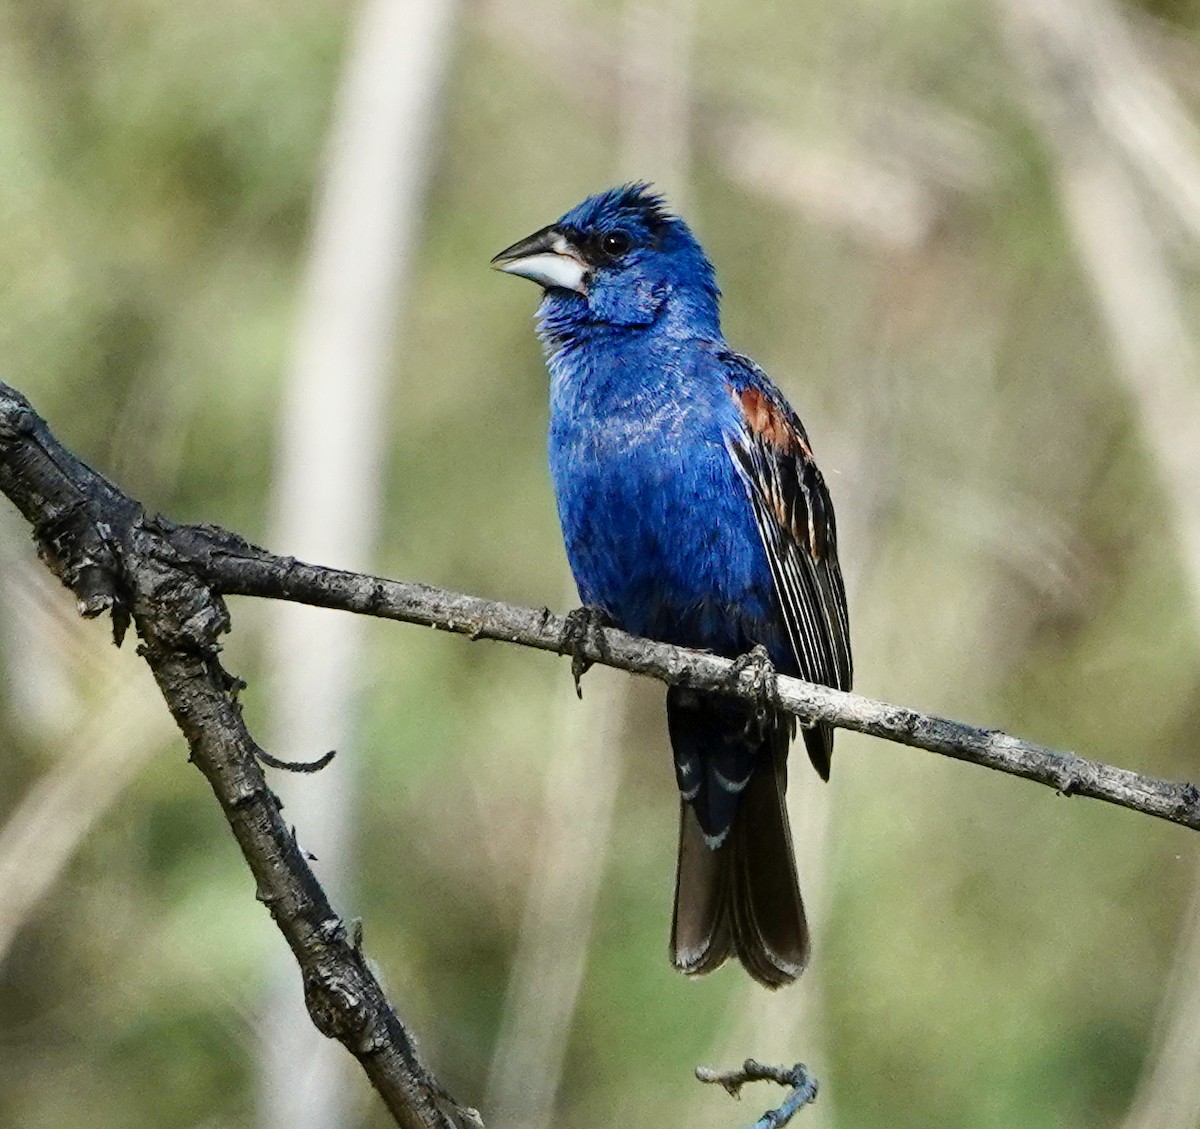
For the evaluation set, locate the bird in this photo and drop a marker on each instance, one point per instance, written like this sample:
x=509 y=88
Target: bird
x=692 y=513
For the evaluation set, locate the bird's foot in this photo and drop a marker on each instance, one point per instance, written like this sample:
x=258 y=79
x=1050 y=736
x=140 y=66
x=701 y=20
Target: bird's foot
x=583 y=632
x=757 y=665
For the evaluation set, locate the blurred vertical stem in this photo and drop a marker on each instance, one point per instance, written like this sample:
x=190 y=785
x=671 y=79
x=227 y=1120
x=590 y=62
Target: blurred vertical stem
x=1078 y=56
x=584 y=771
x=655 y=95
x=93 y=706
x=1115 y=134
x=34 y=656
x=328 y=472
x=97 y=758
x=574 y=832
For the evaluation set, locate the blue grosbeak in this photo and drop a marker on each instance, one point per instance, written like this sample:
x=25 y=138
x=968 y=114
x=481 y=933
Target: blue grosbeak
x=693 y=513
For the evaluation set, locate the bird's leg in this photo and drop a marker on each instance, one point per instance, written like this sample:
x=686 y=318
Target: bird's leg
x=583 y=631
x=757 y=664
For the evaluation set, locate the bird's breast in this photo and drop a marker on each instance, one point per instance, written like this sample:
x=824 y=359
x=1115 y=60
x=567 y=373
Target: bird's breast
x=658 y=529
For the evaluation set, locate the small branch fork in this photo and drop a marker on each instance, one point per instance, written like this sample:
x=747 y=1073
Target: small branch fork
x=170 y=581
x=118 y=559
x=801 y=1084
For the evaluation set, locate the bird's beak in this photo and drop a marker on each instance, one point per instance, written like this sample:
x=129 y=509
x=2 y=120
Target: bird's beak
x=547 y=258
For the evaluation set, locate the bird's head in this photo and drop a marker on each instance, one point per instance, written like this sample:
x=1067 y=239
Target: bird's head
x=618 y=259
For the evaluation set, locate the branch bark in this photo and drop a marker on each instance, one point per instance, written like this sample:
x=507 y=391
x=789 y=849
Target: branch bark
x=252 y=572
x=170 y=581
x=118 y=559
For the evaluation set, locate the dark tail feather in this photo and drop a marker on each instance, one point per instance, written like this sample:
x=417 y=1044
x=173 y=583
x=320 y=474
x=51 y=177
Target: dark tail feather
x=702 y=928
x=743 y=897
x=770 y=932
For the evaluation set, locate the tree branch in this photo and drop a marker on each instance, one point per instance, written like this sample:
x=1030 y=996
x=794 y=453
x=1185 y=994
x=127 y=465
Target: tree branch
x=116 y=558
x=245 y=571
x=170 y=580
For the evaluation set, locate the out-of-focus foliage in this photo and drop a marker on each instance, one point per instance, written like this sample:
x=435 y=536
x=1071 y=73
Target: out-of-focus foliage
x=994 y=955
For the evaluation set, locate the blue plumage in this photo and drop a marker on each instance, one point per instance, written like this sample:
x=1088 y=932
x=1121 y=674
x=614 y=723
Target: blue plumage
x=656 y=523
x=693 y=513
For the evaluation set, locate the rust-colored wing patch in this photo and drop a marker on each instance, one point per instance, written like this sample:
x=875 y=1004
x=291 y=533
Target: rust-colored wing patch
x=795 y=520
x=768 y=422
x=785 y=470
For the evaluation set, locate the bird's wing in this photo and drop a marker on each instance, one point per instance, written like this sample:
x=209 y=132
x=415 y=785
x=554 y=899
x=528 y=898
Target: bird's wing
x=795 y=520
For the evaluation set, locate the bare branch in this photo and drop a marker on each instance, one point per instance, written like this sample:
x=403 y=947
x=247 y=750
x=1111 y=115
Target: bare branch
x=170 y=579
x=233 y=567
x=251 y=572
x=116 y=558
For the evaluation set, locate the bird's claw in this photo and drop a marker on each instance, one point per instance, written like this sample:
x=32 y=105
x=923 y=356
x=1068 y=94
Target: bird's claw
x=756 y=663
x=583 y=632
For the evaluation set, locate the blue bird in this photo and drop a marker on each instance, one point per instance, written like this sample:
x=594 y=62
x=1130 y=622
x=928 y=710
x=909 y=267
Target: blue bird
x=693 y=513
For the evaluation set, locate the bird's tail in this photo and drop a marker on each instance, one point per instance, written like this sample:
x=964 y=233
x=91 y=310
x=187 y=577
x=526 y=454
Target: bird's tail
x=743 y=897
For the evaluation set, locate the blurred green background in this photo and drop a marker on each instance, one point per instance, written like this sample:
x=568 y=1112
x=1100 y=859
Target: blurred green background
x=894 y=196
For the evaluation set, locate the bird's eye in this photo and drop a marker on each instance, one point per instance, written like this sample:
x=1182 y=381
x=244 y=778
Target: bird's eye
x=615 y=243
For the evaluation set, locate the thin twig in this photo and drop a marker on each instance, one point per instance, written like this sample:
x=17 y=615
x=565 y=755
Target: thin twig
x=800 y=1082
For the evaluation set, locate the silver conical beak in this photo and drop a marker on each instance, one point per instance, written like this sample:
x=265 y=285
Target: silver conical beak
x=547 y=258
